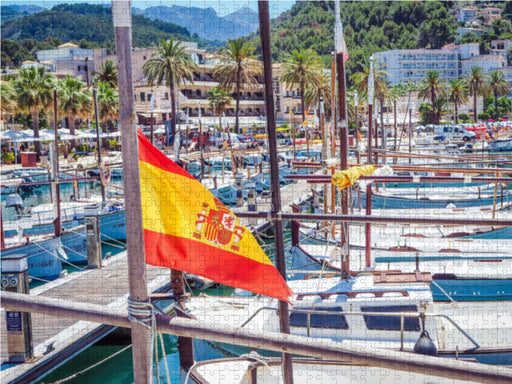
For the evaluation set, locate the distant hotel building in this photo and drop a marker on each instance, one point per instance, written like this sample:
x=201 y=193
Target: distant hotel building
x=452 y=62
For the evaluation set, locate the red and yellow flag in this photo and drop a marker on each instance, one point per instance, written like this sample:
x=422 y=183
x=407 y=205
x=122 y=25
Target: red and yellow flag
x=186 y=228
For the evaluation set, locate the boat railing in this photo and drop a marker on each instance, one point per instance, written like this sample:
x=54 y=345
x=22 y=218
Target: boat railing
x=402 y=316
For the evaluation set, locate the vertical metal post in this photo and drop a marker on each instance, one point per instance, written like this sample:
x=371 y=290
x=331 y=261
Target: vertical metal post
x=368 y=226
x=274 y=176
x=395 y=159
x=333 y=105
x=356 y=104
x=370 y=111
x=382 y=127
x=410 y=131
x=342 y=119
x=151 y=103
x=55 y=170
x=95 y=100
x=201 y=142
x=141 y=334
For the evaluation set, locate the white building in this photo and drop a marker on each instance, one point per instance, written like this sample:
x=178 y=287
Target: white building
x=452 y=62
x=69 y=59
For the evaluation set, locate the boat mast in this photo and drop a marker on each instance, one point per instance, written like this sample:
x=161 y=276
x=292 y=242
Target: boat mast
x=340 y=47
x=55 y=170
x=274 y=176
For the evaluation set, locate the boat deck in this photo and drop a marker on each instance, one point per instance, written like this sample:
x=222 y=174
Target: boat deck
x=56 y=339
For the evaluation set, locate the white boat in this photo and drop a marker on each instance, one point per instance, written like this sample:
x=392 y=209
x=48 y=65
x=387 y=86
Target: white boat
x=254 y=368
x=39 y=220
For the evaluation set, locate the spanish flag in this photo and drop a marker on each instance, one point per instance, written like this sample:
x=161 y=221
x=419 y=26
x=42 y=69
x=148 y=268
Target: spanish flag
x=186 y=228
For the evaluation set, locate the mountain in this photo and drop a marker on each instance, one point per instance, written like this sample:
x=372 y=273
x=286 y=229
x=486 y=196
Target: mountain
x=205 y=22
x=11 y=12
x=92 y=23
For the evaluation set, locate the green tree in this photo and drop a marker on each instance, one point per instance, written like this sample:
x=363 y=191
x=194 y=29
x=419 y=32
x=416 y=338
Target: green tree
x=360 y=80
x=321 y=89
x=75 y=100
x=477 y=86
x=238 y=68
x=172 y=65
x=219 y=100
x=34 y=92
x=108 y=106
x=498 y=86
x=431 y=88
x=457 y=94
x=107 y=73
x=302 y=69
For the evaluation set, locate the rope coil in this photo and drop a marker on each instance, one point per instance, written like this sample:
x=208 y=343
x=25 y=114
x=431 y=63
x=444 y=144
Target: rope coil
x=141 y=312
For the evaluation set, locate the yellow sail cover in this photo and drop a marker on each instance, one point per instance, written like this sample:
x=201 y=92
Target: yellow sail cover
x=346 y=178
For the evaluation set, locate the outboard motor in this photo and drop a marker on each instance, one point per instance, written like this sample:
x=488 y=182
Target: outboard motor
x=14 y=200
x=425 y=345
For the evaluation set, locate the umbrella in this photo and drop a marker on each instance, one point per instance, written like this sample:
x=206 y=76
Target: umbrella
x=11 y=135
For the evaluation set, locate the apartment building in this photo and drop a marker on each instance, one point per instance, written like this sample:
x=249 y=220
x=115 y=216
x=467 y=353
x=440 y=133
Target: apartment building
x=452 y=62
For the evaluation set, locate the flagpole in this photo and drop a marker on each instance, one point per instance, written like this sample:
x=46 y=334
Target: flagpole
x=141 y=334
x=340 y=48
x=274 y=176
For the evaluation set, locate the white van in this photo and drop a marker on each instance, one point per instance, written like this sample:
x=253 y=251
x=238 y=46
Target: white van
x=453 y=133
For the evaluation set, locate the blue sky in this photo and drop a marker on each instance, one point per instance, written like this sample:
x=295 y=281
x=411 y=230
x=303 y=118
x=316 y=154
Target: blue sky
x=222 y=7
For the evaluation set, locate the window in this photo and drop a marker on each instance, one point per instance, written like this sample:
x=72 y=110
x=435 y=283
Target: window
x=142 y=96
x=326 y=321
x=391 y=323
x=166 y=96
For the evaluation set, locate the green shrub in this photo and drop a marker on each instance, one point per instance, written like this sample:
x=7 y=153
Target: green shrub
x=484 y=116
x=8 y=157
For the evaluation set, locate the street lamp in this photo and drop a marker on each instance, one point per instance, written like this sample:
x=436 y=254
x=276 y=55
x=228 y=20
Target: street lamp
x=151 y=107
x=370 y=110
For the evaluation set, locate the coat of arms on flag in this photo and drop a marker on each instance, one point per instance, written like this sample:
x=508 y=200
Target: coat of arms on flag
x=220 y=226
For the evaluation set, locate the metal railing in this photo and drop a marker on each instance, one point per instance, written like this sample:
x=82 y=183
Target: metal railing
x=402 y=316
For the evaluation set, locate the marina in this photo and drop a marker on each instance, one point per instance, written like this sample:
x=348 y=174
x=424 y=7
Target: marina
x=177 y=250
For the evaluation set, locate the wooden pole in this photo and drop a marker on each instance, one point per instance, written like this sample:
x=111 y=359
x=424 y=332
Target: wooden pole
x=274 y=176
x=141 y=334
x=224 y=333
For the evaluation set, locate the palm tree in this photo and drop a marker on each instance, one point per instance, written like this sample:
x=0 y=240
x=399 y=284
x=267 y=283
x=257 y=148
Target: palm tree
x=107 y=73
x=219 y=99
x=360 y=80
x=457 y=94
x=34 y=92
x=172 y=65
x=477 y=87
x=302 y=69
x=75 y=100
x=8 y=98
x=431 y=88
x=321 y=89
x=498 y=86
x=108 y=106
x=238 y=68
